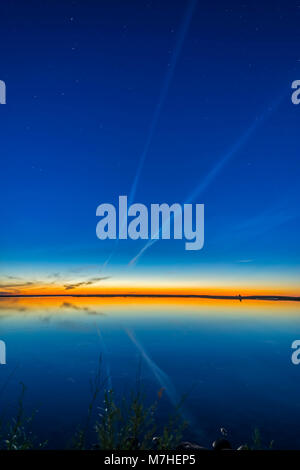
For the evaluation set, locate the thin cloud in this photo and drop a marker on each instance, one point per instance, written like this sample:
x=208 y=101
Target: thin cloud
x=85 y=283
x=13 y=285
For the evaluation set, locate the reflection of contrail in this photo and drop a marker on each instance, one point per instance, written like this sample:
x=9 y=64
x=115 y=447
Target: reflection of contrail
x=219 y=166
x=160 y=376
x=105 y=357
x=181 y=36
x=163 y=93
x=165 y=383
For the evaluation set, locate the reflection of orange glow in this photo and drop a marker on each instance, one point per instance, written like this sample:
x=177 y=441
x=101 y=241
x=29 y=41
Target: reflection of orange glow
x=146 y=306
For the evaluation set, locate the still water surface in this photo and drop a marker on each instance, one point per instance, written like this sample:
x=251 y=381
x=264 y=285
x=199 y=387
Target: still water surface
x=233 y=358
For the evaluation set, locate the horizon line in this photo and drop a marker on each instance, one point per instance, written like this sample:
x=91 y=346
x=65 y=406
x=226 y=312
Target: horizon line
x=195 y=296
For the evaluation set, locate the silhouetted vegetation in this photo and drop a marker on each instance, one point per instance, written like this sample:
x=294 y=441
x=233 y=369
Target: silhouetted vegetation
x=111 y=424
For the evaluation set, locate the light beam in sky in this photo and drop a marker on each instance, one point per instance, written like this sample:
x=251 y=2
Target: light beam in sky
x=163 y=93
x=219 y=165
x=162 y=96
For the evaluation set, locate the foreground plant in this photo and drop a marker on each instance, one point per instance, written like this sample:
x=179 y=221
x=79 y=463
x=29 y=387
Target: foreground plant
x=134 y=425
x=128 y=423
x=16 y=434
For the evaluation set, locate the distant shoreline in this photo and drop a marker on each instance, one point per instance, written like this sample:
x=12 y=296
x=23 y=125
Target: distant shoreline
x=161 y=296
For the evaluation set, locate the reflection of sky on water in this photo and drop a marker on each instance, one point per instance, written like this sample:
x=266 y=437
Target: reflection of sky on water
x=233 y=358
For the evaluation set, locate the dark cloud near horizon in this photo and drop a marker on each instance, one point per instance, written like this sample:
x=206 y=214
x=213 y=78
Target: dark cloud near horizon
x=14 y=288
x=23 y=284
x=85 y=283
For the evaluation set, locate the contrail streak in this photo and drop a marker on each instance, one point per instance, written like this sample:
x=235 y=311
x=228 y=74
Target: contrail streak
x=219 y=166
x=234 y=149
x=181 y=36
x=162 y=96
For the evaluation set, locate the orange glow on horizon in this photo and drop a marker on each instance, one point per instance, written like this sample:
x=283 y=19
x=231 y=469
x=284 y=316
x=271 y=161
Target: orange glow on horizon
x=146 y=289
x=44 y=289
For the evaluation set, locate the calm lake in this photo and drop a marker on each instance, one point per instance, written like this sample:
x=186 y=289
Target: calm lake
x=233 y=359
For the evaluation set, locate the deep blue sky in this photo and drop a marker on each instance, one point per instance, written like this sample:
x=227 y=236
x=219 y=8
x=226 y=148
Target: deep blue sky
x=84 y=81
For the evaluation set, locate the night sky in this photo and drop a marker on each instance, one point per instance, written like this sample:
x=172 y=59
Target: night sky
x=169 y=101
